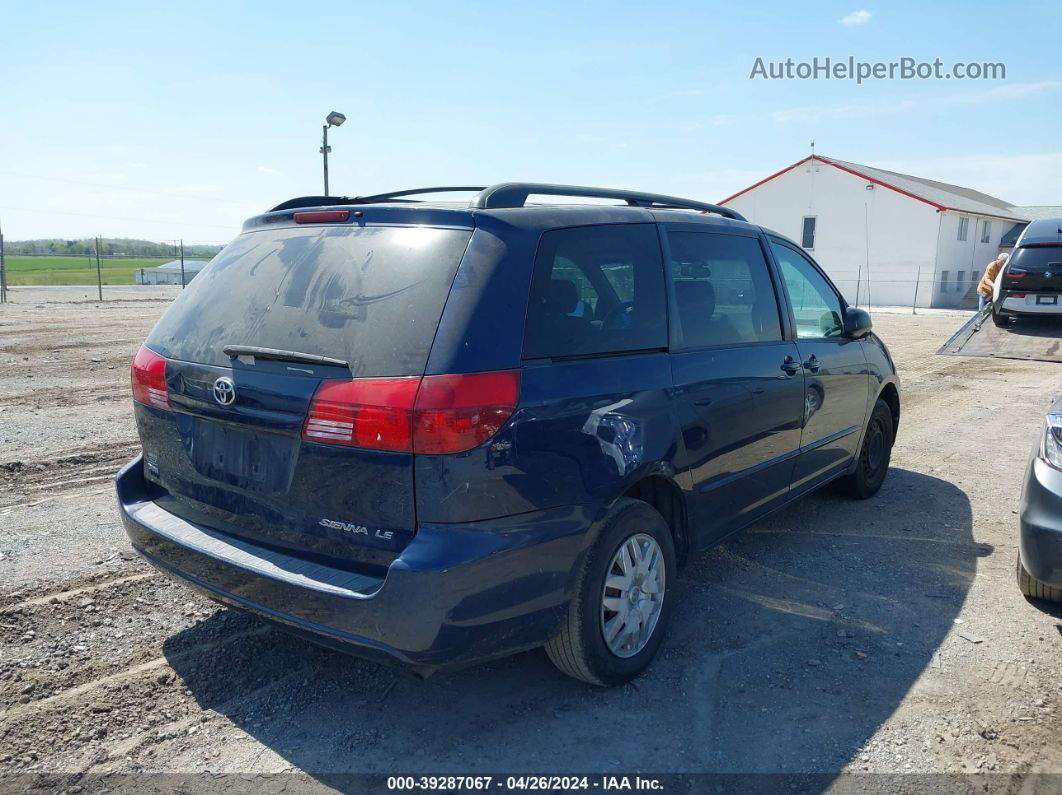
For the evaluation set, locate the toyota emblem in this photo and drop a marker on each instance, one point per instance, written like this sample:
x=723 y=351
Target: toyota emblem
x=224 y=391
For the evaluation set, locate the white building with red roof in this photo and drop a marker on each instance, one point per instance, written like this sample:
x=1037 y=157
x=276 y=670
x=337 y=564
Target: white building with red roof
x=878 y=233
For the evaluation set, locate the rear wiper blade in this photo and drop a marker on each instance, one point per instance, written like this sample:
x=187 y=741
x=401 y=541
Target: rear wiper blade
x=281 y=356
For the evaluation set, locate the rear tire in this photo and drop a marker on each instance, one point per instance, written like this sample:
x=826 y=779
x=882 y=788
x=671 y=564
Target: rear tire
x=1000 y=320
x=873 y=463
x=581 y=650
x=1032 y=588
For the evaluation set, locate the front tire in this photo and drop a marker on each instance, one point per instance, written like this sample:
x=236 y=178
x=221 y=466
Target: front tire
x=1032 y=588
x=622 y=602
x=874 y=456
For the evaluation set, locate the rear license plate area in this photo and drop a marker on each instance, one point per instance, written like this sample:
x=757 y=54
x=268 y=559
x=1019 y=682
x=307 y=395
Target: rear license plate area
x=259 y=462
x=1047 y=300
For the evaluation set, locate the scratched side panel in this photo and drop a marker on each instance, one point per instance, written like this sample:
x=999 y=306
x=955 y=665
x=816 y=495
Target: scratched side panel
x=583 y=432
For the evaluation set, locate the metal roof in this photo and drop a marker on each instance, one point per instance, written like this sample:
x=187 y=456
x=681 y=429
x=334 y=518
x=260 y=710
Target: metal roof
x=1039 y=211
x=175 y=265
x=938 y=194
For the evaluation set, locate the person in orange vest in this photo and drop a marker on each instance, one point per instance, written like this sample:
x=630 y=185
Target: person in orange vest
x=988 y=281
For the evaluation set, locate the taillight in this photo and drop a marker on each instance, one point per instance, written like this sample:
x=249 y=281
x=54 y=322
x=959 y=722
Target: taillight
x=455 y=413
x=376 y=413
x=1015 y=295
x=436 y=414
x=1015 y=273
x=322 y=217
x=148 y=377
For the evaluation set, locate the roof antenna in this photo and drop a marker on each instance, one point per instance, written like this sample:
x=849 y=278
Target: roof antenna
x=812 y=148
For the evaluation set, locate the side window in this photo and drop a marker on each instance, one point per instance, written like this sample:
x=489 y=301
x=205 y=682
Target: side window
x=807 y=232
x=816 y=307
x=723 y=292
x=964 y=225
x=597 y=289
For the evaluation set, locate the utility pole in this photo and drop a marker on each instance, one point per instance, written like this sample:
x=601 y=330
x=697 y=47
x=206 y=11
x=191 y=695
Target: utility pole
x=333 y=119
x=99 y=270
x=325 y=149
x=3 y=271
x=182 y=263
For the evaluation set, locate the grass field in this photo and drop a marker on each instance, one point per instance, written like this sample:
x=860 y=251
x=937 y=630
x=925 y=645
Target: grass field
x=74 y=270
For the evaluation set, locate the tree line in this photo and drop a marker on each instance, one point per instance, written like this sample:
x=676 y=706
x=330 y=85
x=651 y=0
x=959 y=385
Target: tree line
x=109 y=247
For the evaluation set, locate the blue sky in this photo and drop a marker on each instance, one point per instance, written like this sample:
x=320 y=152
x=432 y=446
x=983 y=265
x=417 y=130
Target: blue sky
x=180 y=120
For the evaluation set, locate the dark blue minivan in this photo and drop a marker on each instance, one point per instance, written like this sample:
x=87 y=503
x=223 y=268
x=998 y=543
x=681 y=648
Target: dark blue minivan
x=436 y=433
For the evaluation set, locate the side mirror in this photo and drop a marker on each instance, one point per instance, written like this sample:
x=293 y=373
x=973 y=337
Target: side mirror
x=857 y=323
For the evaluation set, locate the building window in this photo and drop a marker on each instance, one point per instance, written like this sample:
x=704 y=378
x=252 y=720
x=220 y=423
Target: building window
x=986 y=231
x=807 y=233
x=964 y=228
x=960 y=279
x=944 y=281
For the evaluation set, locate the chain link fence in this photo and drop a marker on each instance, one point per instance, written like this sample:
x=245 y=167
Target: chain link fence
x=946 y=289
x=104 y=266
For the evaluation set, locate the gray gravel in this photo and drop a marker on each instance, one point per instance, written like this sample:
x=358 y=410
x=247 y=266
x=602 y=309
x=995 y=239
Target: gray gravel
x=885 y=636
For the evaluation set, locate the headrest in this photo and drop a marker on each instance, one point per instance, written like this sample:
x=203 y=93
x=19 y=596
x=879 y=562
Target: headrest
x=563 y=296
x=697 y=294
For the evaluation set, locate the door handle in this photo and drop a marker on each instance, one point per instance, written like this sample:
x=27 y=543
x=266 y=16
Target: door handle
x=812 y=364
x=789 y=366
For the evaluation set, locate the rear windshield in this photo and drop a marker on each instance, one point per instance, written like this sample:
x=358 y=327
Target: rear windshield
x=1033 y=258
x=371 y=296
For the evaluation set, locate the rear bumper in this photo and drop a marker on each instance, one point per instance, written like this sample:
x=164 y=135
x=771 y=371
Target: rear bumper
x=457 y=593
x=1028 y=306
x=1040 y=522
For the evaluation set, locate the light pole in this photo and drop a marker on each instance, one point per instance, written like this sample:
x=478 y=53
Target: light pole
x=333 y=119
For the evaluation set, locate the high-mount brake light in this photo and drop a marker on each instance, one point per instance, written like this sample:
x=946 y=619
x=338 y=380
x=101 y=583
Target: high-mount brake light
x=148 y=377
x=433 y=415
x=323 y=217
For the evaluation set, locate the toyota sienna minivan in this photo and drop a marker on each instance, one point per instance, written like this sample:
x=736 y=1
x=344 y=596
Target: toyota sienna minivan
x=436 y=433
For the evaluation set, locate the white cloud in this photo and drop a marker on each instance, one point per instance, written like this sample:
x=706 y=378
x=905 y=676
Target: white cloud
x=198 y=187
x=856 y=18
x=1008 y=91
x=812 y=114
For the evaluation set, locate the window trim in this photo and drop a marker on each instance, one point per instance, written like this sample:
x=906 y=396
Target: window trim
x=575 y=357
x=773 y=240
x=814 y=231
x=676 y=340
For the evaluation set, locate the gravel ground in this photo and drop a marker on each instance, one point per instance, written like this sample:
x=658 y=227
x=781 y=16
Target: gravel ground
x=885 y=636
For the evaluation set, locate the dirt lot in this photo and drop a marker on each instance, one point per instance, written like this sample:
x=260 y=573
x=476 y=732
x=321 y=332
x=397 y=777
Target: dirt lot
x=882 y=636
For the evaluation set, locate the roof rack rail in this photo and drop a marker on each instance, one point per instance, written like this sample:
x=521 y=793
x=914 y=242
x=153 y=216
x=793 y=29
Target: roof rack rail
x=393 y=196
x=310 y=201
x=400 y=195
x=514 y=194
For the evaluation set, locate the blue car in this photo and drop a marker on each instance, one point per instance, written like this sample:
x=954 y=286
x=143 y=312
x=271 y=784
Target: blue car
x=437 y=433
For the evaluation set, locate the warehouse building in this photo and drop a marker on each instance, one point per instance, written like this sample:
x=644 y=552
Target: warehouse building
x=884 y=238
x=170 y=273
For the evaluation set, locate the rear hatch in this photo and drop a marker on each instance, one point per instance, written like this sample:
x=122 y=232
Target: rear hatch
x=1035 y=268
x=281 y=315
